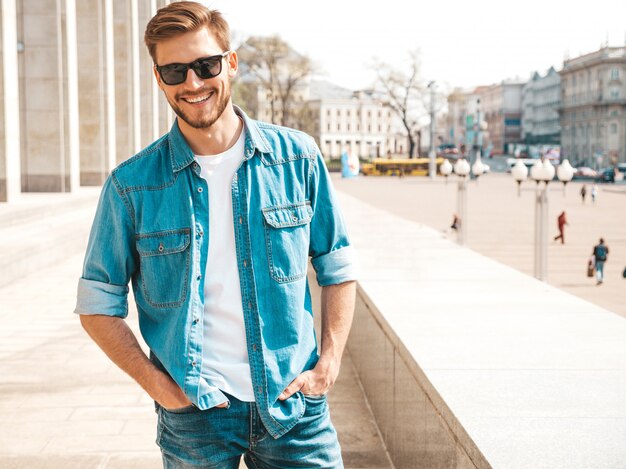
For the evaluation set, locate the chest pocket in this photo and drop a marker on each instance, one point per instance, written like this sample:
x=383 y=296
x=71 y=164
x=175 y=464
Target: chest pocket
x=164 y=267
x=287 y=230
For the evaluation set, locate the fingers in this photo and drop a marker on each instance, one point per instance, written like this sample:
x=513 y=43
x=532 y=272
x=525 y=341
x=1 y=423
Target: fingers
x=294 y=387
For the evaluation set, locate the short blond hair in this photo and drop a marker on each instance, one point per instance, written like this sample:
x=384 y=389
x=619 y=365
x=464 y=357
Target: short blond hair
x=184 y=17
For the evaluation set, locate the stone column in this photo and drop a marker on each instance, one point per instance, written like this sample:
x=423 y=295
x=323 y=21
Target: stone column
x=97 y=90
x=126 y=137
x=149 y=90
x=9 y=104
x=49 y=96
x=166 y=115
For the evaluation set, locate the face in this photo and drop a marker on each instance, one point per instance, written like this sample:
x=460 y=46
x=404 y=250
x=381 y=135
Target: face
x=199 y=103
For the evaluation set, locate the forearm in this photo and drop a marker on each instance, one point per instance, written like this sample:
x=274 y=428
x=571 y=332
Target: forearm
x=118 y=342
x=337 y=313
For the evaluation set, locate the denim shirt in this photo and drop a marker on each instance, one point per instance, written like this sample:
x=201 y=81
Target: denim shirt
x=151 y=229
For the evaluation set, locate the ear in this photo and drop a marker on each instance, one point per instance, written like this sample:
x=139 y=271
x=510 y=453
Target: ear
x=233 y=64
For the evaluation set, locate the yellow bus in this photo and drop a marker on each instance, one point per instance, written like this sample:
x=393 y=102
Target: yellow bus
x=399 y=167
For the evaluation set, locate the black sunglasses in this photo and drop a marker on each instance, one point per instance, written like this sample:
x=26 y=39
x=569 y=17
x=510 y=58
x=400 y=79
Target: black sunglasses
x=205 y=68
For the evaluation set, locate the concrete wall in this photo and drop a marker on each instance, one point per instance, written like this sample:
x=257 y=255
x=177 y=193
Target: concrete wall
x=418 y=428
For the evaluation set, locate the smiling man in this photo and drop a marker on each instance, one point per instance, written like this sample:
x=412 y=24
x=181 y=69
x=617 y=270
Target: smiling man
x=214 y=225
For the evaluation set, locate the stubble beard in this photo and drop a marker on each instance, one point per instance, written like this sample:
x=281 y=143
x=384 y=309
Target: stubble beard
x=206 y=121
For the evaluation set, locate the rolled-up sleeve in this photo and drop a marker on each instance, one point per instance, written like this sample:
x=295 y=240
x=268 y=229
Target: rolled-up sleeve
x=332 y=255
x=110 y=259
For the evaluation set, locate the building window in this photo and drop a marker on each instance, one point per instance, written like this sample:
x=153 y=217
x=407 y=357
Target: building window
x=338 y=127
x=615 y=74
x=348 y=127
x=328 y=112
x=613 y=129
x=329 y=127
x=348 y=113
x=614 y=93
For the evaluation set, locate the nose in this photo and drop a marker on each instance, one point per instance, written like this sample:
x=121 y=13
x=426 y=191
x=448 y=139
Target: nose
x=193 y=81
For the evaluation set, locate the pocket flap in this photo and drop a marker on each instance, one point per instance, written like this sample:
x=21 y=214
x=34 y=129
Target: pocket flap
x=283 y=216
x=162 y=242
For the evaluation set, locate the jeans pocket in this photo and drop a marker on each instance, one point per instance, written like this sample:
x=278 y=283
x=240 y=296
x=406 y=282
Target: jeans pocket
x=182 y=410
x=287 y=231
x=164 y=267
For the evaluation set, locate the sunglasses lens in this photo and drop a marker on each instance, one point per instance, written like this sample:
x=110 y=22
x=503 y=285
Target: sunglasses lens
x=173 y=74
x=208 y=68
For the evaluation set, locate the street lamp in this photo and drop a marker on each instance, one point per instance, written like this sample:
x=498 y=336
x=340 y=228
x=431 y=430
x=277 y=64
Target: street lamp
x=542 y=172
x=520 y=174
x=445 y=169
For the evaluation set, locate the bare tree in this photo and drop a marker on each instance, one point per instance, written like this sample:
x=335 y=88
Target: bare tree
x=279 y=69
x=403 y=92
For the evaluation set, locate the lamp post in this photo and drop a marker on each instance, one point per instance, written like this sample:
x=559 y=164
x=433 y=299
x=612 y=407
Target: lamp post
x=432 y=168
x=542 y=172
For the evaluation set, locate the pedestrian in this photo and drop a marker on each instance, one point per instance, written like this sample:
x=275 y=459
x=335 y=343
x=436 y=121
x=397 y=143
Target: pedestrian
x=456 y=222
x=583 y=192
x=214 y=224
x=594 y=192
x=561 y=221
x=600 y=255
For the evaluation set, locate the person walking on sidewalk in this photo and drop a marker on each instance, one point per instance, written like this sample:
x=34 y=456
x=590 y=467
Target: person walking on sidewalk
x=561 y=221
x=214 y=224
x=583 y=192
x=594 y=193
x=600 y=255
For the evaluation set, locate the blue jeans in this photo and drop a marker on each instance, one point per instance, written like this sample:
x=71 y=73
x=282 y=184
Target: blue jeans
x=218 y=437
x=600 y=271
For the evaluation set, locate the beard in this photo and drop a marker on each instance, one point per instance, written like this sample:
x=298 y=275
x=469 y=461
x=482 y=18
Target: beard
x=210 y=116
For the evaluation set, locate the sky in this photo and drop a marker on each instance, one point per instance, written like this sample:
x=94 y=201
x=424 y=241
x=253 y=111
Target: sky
x=461 y=43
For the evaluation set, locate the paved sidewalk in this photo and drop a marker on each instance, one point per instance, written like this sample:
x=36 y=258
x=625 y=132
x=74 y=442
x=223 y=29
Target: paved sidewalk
x=65 y=405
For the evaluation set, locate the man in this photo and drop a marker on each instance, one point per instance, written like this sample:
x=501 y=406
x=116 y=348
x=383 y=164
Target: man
x=600 y=254
x=561 y=221
x=214 y=224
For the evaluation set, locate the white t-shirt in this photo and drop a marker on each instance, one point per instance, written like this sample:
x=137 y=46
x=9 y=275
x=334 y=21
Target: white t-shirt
x=225 y=363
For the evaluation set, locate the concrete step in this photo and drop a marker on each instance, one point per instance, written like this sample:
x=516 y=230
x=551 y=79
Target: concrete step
x=42 y=229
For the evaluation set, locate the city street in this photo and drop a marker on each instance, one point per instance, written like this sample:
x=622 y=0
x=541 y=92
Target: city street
x=501 y=225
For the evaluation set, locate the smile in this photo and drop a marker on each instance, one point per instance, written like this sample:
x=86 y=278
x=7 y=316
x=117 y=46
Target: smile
x=197 y=99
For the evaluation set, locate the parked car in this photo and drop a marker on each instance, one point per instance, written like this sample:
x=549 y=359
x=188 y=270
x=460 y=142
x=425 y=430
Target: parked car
x=606 y=175
x=585 y=172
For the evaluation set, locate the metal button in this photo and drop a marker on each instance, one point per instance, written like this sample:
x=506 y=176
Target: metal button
x=240 y=220
x=294 y=218
x=245 y=263
x=193 y=363
x=195 y=320
x=254 y=347
x=199 y=277
x=161 y=247
x=199 y=189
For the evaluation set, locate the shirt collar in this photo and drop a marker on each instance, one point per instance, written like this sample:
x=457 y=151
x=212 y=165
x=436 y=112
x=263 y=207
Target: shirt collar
x=182 y=156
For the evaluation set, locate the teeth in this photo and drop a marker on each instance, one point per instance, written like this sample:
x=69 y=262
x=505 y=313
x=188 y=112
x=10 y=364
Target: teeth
x=197 y=99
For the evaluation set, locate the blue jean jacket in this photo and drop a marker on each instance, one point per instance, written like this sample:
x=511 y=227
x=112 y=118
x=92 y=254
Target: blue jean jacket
x=151 y=229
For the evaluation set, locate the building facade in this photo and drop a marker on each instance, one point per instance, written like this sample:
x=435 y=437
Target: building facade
x=501 y=108
x=593 y=107
x=353 y=121
x=541 y=99
x=77 y=92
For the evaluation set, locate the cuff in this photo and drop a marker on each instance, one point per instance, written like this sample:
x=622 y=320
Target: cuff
x=101 y=298
x=336 y=267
